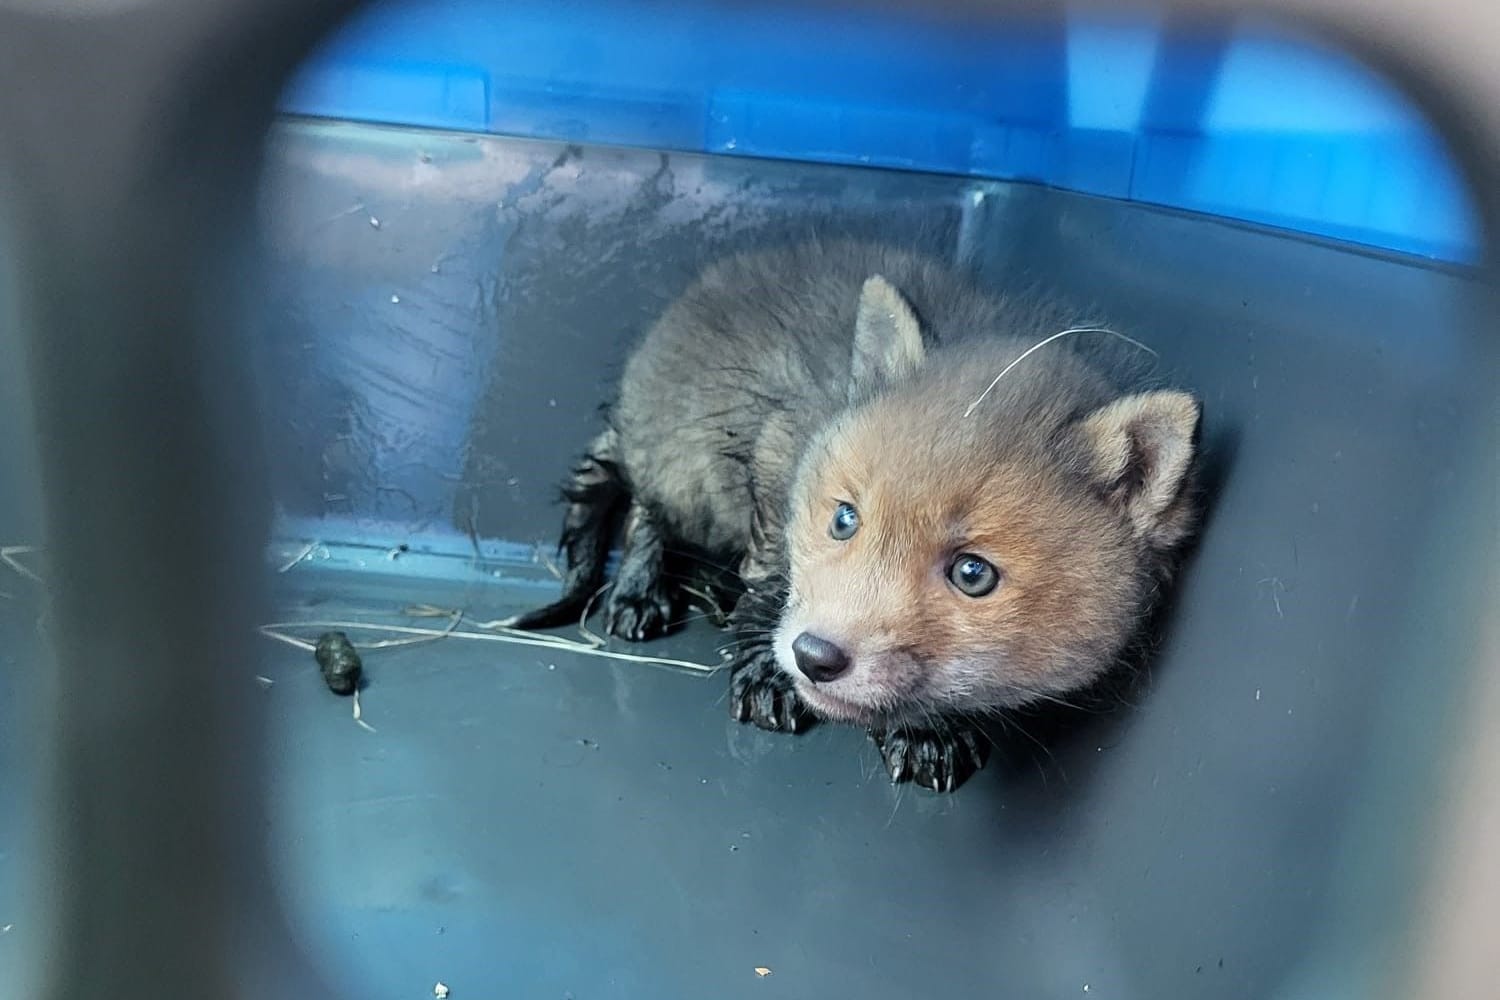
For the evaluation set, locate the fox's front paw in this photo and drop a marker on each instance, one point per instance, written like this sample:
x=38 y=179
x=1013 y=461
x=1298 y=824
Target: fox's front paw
x=762 y=694
x=636 y=617
x=939 y=759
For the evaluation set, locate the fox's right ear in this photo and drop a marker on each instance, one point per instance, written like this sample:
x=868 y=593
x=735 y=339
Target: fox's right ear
x=1141 y=450
x=887 y=336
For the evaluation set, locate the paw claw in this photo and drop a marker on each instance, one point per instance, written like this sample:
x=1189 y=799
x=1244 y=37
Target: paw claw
x=975 y=754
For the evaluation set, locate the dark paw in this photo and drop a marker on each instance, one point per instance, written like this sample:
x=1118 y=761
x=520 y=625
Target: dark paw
x=937 y=759
x=761 y=694
x=638 y=617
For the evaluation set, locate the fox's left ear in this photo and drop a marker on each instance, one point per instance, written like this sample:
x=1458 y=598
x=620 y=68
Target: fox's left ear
x=1140 y=451
x=887 y=336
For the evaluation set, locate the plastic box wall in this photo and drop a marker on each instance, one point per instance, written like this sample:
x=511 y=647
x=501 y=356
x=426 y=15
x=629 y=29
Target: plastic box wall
x=1237 y=118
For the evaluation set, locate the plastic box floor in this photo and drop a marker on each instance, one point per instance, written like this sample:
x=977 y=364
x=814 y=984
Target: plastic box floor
x=526 y=822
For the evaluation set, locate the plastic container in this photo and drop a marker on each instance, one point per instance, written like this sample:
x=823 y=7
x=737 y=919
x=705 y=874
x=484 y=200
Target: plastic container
x=436 y=376
x=465 y=216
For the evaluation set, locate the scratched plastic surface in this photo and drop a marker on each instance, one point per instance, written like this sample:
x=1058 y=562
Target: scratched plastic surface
x=438 y=316
x=442 y=312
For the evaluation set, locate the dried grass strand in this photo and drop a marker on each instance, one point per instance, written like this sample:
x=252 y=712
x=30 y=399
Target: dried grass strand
x=302 y=554
x=278 y=631
x=8 y=555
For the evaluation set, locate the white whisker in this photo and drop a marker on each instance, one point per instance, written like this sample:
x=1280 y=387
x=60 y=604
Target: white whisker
x=1043 y=343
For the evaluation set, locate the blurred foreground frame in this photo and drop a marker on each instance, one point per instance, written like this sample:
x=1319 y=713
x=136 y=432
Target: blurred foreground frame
x=133 y=135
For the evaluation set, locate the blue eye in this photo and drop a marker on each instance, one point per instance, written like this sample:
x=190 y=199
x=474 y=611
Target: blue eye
x=972 y=575
x=845 y=522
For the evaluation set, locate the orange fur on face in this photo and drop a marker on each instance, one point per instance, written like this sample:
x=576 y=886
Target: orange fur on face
x=929 y=486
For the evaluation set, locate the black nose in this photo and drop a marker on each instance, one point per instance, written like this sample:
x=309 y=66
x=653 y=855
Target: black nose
x=818 y=658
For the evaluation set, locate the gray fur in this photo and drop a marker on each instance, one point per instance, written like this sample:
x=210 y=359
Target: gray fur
x=768 y=367
x=721 y=397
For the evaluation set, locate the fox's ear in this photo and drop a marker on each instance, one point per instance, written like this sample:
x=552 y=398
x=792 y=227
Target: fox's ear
x=887 y=336
x=1140 y=450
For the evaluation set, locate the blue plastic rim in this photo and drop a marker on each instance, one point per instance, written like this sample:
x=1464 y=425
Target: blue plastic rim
x=1246 y=122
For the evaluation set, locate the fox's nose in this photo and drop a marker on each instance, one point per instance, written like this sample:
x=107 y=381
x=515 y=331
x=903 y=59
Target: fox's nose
x=819 y=659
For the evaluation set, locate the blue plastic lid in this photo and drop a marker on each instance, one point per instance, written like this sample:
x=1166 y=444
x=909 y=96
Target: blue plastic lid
x=1249 y=124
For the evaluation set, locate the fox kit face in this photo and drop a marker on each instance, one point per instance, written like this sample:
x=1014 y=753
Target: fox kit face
x=942 y=564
